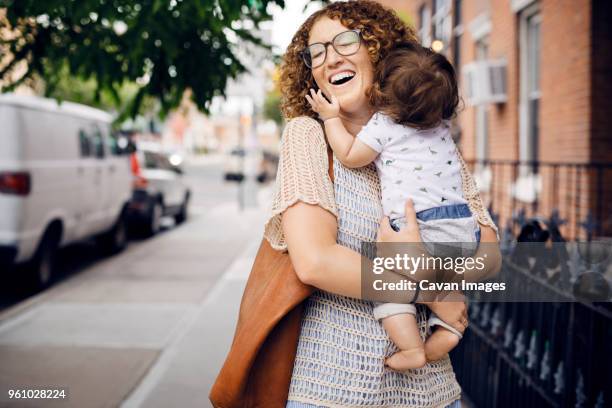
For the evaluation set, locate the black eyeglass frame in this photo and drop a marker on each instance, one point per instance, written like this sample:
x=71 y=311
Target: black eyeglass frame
x=326 y=44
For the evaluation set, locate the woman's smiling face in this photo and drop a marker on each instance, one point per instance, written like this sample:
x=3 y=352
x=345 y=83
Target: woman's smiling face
x=350 y=94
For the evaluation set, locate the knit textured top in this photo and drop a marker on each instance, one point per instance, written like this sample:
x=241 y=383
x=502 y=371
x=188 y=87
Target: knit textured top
x=342 y=347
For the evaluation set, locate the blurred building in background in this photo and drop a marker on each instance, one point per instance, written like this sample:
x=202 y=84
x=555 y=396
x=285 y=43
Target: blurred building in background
x=535 y=76
x=535 y=79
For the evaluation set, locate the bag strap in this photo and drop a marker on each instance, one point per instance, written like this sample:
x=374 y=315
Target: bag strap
x=330 y=161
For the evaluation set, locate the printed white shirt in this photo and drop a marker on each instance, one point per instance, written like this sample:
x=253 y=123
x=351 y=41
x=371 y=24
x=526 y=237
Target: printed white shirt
x=418 y=164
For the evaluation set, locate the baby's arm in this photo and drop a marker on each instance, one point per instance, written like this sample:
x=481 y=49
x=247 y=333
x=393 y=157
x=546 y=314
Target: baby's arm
x=349 y=150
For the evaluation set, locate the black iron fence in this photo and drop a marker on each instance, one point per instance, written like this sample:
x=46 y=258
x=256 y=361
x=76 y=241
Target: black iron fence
x=544 y=354
x=536 y=355
x=580 y=194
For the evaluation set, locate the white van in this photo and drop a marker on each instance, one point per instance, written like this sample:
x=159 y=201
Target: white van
x=62 y=179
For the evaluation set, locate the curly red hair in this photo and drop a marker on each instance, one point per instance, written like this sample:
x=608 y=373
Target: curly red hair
x=381 y=31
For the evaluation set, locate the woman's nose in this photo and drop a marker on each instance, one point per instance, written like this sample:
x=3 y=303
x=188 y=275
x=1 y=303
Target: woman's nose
x=332 y=56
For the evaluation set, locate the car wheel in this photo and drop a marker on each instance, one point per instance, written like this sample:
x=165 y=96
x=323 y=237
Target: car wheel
x=41 y=268
x=153 y=223
x=115 y=240
x=181 y=217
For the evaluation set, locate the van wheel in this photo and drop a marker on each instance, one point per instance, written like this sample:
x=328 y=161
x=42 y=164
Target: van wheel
x=181 y=217
x=41 y=268
x=115 y=240
x=153 y=222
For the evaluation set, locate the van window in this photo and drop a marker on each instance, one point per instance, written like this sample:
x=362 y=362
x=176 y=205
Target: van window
x=85 y=144
x=113 y=145
x=112 y=141
x=98 y=143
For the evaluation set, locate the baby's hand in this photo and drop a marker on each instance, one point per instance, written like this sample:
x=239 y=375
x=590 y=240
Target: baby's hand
x=320 y=105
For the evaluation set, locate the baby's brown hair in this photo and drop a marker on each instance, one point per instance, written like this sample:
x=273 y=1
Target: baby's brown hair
x=415 y=86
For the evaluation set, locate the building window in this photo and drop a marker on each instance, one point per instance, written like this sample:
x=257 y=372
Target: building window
x=425 y=25
x=457 y=32
x=457 y=12
x=529 y=105
x=442 y=22
x=482 y=110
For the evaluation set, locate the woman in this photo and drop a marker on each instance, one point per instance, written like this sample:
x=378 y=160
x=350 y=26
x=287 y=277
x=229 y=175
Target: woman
x=341 y=350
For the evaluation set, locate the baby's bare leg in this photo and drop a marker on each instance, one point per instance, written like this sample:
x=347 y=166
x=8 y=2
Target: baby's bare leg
x=404 y=332
x=445 y=337
x=440 y=343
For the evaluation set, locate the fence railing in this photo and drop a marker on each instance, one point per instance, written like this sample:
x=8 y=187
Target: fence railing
x=543 y=354
x=536 y=354
x=580 y=194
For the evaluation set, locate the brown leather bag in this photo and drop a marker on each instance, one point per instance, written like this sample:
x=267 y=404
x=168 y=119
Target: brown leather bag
x=257 y=370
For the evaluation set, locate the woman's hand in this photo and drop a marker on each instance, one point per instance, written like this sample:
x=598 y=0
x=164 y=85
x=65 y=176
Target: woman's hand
x=453 y=313
x=409 y=233
x=327 y=110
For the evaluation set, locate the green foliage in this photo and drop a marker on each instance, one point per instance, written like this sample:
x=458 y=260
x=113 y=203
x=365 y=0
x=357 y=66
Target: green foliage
x=75 y=89
x=406 y=18
x=164 y=46
x=271 y=108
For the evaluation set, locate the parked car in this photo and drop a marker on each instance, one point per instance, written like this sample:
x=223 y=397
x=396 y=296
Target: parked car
x=159 y=189
x=63 y=178
x=241 y=164
x=233 y=169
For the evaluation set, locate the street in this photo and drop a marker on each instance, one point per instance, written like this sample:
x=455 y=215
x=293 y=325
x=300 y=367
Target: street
x=147 y=327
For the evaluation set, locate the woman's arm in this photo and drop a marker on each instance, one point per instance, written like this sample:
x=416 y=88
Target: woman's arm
x=310 y=233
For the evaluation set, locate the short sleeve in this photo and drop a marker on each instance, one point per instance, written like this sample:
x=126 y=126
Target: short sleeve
x=302 y=175
x=471 y=194
x=373 y=132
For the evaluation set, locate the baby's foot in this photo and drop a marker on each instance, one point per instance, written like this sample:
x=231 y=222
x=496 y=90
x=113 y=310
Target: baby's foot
x=407 y=359
x=440 y=343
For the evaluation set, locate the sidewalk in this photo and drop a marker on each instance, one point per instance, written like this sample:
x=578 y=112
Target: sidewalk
x=149 y=327
x=184 y=373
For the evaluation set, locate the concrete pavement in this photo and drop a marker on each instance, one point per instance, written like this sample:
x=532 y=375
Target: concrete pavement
x=184 y=373
x=148 y=327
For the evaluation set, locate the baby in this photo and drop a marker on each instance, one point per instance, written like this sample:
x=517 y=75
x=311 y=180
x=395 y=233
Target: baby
x=415 y=95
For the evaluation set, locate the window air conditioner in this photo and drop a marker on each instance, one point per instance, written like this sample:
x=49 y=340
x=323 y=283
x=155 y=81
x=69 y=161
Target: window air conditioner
x=485 y=82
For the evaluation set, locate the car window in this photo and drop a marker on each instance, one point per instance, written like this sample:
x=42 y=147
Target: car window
x=151 y=160
x=164 y=162
x=158 y=161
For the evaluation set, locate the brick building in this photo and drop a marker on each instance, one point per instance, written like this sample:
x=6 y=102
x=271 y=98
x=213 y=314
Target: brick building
x=536 y=79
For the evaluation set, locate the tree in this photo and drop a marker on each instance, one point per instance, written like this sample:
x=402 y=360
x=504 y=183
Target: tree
x=75 y=89
x=166 y=47
x=271 y=108
x=272 y=103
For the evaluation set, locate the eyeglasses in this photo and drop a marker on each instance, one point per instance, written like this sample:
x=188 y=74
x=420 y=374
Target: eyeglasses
x=346 y=43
